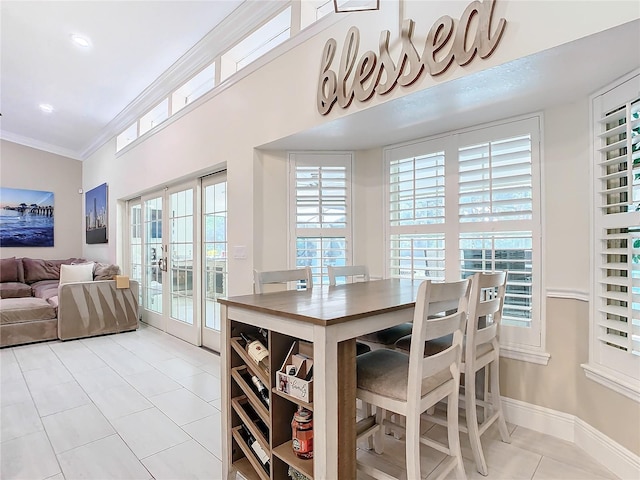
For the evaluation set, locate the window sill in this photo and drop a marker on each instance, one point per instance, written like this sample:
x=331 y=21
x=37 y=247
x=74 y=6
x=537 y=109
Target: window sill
x=517 y=353
x=618 y=384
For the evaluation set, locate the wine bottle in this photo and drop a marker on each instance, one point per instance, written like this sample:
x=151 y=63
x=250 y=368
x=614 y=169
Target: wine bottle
x=256 y=351
x=263 y=393
x=257 y=449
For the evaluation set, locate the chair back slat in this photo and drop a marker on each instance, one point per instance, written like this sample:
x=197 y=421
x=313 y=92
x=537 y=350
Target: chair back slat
x=486 y=334
x=438 y=362
x=356 y=272
x=488 y=307
x=282 y=276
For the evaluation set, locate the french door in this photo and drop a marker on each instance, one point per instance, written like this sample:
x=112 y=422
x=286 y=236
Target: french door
x=214 y=254
x=178 y=254
x=169 y=259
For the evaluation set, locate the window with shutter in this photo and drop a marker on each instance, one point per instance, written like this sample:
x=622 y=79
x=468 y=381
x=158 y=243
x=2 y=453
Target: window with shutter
x=615 y=334
x=468 y=202
x=321 y=206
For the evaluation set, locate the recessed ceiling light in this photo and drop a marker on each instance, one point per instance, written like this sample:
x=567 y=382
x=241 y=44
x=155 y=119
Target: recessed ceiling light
x=46 y=108
x=80 y=41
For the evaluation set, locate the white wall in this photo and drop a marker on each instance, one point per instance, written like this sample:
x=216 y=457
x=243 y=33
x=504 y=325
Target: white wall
x=28 y=168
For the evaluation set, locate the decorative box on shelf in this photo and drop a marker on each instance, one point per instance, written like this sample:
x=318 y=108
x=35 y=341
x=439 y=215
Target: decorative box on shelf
x=295 y=377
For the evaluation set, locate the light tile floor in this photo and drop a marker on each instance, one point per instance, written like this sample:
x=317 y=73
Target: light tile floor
x=144 y=405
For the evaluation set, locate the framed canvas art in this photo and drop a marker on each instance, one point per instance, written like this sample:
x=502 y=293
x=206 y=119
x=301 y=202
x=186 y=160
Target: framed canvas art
x=26 y=218
x=95 y=214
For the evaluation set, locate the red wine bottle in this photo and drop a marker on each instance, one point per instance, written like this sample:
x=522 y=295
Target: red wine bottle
x=259 y=452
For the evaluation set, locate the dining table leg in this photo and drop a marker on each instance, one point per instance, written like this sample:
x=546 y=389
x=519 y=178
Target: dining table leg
x=347 y=409
x=334 y=407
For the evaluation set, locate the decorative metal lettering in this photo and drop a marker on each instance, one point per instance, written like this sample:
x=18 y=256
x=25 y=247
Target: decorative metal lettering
x=379 y=73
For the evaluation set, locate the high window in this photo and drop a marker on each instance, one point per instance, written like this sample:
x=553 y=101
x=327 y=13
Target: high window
x=468 y=202
x=267 y=37
x=321 y=205
x=615 y=328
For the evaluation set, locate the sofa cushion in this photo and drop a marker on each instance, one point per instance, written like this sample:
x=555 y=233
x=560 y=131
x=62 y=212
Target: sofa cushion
x=82 y=272
x=45 y=289
x=104 y=271
x=9 y=270
x=36 y=269
x=53 y=301
x=18 y=310
x=14 y=290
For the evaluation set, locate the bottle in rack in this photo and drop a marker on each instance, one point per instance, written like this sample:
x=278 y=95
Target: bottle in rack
x=257 y=351
x=263 y=393
x=257 y=449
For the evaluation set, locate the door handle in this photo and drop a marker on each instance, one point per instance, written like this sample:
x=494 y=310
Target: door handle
x=164 y=265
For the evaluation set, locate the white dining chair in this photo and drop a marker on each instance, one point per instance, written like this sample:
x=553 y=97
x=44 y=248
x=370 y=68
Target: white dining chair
x=385 y=338
x=482 y=352
x=298 y=275
x=408 y=385
x=354 y=273
x=480 y=363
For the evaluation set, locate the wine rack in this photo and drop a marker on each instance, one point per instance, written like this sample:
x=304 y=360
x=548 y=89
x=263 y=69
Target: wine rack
x=247 y=408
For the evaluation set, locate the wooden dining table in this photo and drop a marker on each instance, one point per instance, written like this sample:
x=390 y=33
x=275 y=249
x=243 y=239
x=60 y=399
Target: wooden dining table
x=330 y=317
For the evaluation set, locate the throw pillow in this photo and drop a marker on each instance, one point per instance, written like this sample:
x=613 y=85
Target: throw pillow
x=82 y=272
x=9 y=270
x=104 y=271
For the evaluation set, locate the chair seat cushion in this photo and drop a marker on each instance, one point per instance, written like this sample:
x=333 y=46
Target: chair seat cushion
x=362 y=348
x=385 y=373
x=390 y=335
x=437 y=345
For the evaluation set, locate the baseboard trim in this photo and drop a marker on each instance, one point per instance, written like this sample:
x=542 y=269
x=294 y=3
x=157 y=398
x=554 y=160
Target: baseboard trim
x=610 y=454
x=624 y=463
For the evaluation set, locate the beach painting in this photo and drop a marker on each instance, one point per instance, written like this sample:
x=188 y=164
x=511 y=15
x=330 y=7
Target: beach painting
x=26 y=218
x=95 y=214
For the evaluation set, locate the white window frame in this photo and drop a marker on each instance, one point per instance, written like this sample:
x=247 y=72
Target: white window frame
x=516 y=342
x=320 y=159
x=616 y=369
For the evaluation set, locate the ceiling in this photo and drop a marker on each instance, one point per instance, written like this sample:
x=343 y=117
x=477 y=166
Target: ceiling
x=135 y=42
x=132 y=44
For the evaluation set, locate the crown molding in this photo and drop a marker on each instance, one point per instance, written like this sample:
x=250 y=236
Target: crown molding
x=238 y=24
x=37 y=144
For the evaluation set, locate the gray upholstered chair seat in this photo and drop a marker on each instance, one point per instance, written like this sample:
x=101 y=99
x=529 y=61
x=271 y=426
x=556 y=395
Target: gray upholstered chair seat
x=385 y=372
x=388 y=336
x=437 y=345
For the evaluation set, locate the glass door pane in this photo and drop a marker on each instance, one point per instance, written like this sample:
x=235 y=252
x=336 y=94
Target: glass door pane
x=214 y=225
x=153 y=255
x=181 y=289
x=181 y=255
x=135 y=244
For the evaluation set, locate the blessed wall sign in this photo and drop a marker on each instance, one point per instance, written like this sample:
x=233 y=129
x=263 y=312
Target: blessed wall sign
x=446 y=42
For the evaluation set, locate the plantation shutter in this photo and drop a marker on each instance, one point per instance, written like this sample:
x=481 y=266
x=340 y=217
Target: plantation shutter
x=617 y=228
x=417 y=197
x=495 y=181
x=321 y=206
x=495 y=187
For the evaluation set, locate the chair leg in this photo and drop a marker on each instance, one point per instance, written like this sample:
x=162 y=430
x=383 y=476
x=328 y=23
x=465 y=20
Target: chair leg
x=412 y=445
x=453 y=434
x=366 y=412
x=472 y=423
x=496 y=401
x=378 y=436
